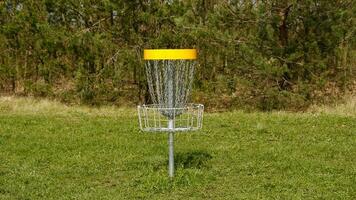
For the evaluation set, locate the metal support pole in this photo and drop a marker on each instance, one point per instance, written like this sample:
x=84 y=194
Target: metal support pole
x=171 y=150
x=170 y=78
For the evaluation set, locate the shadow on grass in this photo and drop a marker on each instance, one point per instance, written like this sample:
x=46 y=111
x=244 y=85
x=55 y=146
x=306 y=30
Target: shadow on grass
x=194 y=159
x=185 y=160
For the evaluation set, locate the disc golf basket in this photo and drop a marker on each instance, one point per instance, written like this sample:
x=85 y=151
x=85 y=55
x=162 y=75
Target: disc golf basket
x=169 y=77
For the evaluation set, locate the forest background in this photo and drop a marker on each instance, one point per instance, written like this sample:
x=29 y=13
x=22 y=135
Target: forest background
x=252 y=54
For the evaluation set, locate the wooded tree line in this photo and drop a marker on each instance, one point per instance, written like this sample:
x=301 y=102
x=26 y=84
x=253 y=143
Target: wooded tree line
x=254 y=54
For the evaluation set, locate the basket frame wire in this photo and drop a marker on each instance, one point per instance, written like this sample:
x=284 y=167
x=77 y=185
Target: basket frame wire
x=151 y=118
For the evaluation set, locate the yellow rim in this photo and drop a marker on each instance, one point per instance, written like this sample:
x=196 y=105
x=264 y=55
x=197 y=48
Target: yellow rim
x=170 y=54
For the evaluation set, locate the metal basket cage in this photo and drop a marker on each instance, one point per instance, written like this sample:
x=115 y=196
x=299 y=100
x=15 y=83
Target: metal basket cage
x=153 y=117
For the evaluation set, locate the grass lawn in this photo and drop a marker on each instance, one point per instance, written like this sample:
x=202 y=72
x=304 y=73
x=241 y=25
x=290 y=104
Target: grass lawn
x=51 y=151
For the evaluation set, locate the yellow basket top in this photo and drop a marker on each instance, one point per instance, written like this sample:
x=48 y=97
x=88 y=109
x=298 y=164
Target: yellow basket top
x=169 y=54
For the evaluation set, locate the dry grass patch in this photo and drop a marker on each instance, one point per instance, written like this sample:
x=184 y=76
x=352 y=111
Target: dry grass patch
x=29 y=105
x=346 y=107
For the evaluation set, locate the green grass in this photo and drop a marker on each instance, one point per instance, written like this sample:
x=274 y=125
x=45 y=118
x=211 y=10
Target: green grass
x=61 y=152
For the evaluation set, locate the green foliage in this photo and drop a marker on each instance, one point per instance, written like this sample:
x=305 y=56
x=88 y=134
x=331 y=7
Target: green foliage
x=280 y=53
